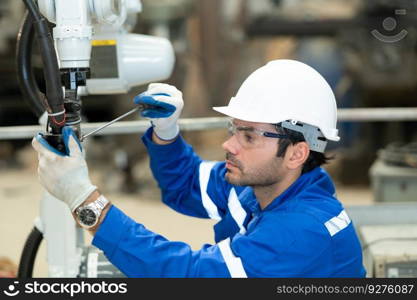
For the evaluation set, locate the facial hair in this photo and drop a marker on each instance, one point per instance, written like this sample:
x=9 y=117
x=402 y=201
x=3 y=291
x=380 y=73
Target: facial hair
x=261 y=176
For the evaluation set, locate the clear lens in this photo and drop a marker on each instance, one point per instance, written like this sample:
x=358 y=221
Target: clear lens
x=250 y=137
x=247 y=137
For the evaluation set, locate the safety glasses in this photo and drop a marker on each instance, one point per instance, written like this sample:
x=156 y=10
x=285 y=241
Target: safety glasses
x=250 y=137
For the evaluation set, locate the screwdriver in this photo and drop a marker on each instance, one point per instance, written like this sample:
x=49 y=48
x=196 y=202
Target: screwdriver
x=140 y=107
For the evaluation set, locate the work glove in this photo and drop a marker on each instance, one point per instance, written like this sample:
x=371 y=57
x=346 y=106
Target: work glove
x=168 y=103
x=64 y=176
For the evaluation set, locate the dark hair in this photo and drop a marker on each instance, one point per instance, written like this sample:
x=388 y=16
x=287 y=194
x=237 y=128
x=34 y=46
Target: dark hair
x=315 y=159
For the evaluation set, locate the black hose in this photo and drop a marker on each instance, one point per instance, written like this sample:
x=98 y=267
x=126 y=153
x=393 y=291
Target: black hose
x=27 y=82
x=54 y=93
x=30 y=249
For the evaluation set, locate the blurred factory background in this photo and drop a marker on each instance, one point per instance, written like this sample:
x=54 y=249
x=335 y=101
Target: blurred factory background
x=367 y=51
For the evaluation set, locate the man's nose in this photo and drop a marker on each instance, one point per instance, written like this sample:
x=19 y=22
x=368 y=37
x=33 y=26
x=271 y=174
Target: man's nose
x=231 y=145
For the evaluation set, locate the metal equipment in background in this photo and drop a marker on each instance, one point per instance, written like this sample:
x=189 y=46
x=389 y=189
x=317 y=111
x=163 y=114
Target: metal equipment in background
x=394 y=173
x=373 y=51
x=95 y=54
x=388 y=235
x=390 y=251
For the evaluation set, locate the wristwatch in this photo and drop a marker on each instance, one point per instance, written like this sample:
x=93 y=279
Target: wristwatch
x=88 y=215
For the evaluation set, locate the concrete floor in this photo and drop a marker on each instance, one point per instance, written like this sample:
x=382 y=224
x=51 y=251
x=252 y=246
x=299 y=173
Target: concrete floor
x=20 y=194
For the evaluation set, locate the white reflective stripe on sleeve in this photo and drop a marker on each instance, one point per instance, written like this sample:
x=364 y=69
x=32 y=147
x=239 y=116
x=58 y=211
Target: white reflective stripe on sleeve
x=233 y=263
x=336 y=224
x=211 y=208
x=236 y=209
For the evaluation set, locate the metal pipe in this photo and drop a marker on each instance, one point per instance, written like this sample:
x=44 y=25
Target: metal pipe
x=122 y=127
x=382 y=114
x=188 y=124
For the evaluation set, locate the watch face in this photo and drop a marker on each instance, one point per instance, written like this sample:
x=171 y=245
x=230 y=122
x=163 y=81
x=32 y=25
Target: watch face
x=87 y=216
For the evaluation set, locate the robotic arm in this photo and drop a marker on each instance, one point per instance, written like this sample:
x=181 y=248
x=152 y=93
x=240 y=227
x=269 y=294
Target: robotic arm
x=96 y=55
x=90 y=52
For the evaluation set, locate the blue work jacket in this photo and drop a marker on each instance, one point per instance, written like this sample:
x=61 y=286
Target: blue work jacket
x=304 y=232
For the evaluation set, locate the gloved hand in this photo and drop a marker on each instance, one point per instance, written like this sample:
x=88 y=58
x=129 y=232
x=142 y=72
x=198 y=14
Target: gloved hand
x=64 y=176
x=168 y=103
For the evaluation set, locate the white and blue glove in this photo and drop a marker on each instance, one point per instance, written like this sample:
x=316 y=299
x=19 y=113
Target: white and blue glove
x=168 y=103
x=64 y=176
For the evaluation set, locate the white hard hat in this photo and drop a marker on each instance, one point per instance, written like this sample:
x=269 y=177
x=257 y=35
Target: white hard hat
x=286 y=90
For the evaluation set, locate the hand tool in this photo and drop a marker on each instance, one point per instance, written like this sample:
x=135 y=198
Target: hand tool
x=140 y=107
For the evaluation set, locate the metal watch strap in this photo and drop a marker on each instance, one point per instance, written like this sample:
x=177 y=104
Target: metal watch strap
x=101 y=202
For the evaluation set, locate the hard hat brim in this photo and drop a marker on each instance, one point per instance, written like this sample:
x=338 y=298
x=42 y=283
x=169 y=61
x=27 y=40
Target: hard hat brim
x=236 y=114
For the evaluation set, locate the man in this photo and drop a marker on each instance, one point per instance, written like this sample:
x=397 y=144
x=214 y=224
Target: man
x=277 y=211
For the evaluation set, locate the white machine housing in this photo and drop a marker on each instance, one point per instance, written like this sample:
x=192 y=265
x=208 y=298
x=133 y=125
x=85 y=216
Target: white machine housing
x=82 y=25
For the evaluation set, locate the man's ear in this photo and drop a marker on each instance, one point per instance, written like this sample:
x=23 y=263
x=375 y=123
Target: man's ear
x=297 y=154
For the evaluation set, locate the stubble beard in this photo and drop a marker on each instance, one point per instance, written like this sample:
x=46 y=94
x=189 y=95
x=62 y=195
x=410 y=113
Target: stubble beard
x=263 y=176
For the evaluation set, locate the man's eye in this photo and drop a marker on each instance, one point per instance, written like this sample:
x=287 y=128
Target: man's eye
x=249 y=138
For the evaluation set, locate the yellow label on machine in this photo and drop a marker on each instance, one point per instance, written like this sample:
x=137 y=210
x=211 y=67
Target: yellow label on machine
x=103 y=42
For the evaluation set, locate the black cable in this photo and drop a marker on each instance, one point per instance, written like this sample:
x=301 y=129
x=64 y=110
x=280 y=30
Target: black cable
x=30 y=249
x=54 y=93
x=27 y=82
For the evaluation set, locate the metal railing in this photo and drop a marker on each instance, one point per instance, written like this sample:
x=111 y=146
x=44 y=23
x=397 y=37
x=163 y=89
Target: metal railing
x=403 y=114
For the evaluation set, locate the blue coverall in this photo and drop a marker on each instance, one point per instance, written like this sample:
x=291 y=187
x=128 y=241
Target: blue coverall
x=305 y=232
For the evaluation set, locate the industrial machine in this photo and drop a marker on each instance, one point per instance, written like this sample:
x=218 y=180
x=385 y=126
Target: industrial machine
x=389 y=250
x=86 y=49
x=394 y=173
